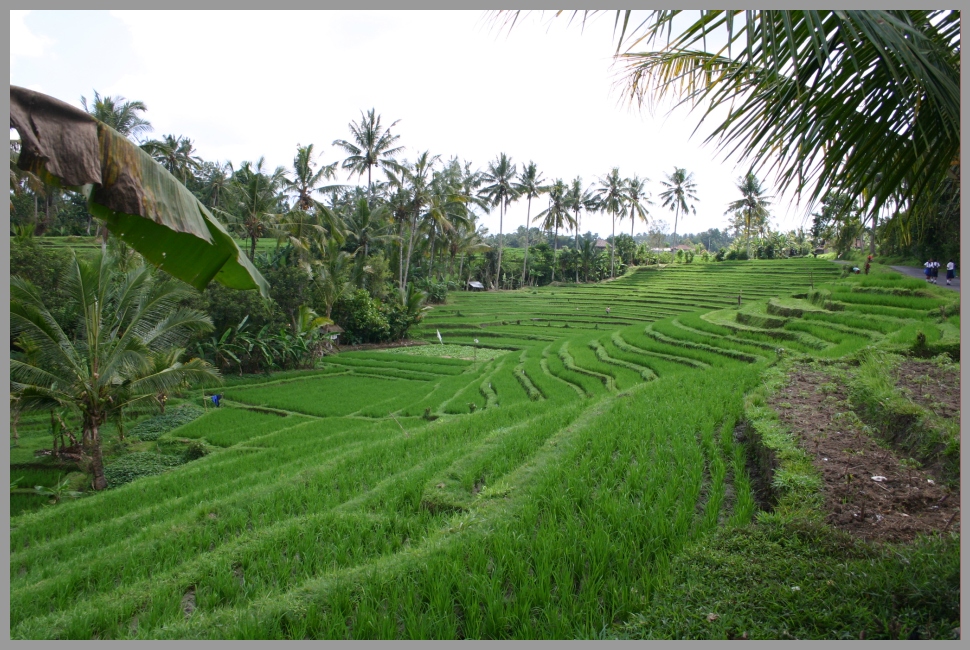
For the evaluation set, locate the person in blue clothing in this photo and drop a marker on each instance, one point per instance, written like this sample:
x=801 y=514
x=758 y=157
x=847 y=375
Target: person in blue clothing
x=215 y=399
x=950 y=271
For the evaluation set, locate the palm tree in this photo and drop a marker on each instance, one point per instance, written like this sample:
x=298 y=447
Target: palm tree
x=530 y=186
x=612 y=195
x=307 y=180
x=255 y=201
x=129 y=322
x=556 y=216
x=372 y=146
x=639 y=198
x=500 y=190
x=366 y=226
x=680 y=189
x=577 y=200
x=215 y=178
x=753 y=204
x=176 y=154
x=415 y=194
x=119 y=113
x=333 y=273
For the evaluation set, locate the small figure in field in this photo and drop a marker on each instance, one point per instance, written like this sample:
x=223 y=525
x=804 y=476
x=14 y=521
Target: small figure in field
x=607 y=311
x=215 y=399
x=950 y=271
x=868 y=262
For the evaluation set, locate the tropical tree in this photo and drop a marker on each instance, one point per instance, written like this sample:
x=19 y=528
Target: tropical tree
x=128 y=322
x=372 y=146
x=333 y=273
x=119 y=113
x=255 y=201
x=612 y=194
x=410 y=203
x=679 y=195
x=753 y=205
x=529 y=186
x=556 y=216
x=176 y=154
x=366 y=226
x=638 y=198
x=577 y=200
x=499 y=188
x=307 y=178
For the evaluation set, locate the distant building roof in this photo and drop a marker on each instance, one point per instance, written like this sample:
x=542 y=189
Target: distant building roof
x=601 y=243
x=682 y=247
x=474 y=284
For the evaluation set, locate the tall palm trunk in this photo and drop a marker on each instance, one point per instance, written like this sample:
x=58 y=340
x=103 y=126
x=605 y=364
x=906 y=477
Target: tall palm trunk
x=92 y=448
x=613 y=248
x=555 y=249
x=525 y=261
x=576 y=228
x=501 y=240
x=407 y=262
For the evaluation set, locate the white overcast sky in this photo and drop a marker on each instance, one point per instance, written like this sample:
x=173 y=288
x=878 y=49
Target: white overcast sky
x=249 y=84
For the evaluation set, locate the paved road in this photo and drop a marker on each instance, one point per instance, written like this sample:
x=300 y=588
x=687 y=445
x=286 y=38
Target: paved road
x=918 y=273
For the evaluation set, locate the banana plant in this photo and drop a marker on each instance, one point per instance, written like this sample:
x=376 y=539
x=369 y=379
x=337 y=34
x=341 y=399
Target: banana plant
x=139 y=201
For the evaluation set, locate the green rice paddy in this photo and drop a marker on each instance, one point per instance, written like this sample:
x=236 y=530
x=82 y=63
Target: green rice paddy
x=540 y=487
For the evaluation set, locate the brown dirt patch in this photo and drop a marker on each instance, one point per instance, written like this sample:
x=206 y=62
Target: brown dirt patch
x=815 y=407
x=935 y=388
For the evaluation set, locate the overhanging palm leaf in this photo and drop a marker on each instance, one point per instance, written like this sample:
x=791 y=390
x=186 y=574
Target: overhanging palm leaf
x=141 y=202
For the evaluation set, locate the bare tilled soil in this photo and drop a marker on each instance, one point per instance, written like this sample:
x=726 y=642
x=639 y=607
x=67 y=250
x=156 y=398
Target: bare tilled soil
x=935 y=389
x=868 y=493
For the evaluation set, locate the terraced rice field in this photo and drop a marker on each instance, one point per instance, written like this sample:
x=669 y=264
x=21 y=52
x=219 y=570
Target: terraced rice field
x=538 y=494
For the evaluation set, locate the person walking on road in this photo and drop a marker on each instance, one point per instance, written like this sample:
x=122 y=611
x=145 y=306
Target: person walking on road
x=928 y=269
x=950 y=271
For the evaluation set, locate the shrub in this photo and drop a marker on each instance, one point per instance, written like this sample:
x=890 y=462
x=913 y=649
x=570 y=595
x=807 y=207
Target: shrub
x=362 y=318
x=437 y=292
x=193 y=451
x=153 y=428
x=137 y=465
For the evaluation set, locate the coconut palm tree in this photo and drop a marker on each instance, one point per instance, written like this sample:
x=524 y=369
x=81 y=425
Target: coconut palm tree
x=119 y=113
x=372 y=146
x=307 y=178
x=415 y=194
x=128 y=322
x=577 y=200
x=333 y=273
x=679 y=195
x=753 y=205
x=556 y=216
x=500 y=190
x=255 y=201
x=176 y=154
x=612 y=193
x=638 y=198
x=529 y=186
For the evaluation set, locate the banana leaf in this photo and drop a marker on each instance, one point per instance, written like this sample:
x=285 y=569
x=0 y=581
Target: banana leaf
x=138 y=199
